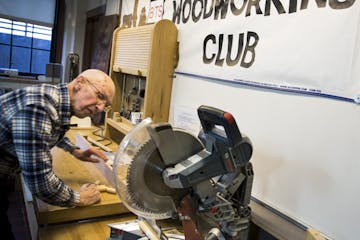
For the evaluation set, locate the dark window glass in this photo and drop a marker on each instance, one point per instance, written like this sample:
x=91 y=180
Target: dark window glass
x=20 y=59
x=4 y=37
x=21 y=41
x=4 y=56
x=42 y=44
x=39 y=60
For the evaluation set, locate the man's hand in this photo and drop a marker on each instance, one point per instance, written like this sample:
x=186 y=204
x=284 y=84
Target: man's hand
x=86 y=155
x=89 y=194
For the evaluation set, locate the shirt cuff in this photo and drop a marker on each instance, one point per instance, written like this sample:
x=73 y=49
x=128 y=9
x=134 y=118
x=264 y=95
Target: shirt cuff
x=76 y=198
x=73 y=148
x=67 y=145
x=70 y=148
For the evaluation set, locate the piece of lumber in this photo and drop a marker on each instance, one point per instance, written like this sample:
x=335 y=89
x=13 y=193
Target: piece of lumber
x=313 y=234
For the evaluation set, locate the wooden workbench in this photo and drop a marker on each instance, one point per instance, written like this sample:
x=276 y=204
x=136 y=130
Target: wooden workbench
x=75 y=173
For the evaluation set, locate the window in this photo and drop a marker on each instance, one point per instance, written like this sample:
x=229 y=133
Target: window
x=24 y=46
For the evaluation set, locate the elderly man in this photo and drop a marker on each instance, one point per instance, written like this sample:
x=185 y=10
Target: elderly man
x=32 y=121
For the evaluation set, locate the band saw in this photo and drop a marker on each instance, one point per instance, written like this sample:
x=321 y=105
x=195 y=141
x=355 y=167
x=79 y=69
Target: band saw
x=204 y=181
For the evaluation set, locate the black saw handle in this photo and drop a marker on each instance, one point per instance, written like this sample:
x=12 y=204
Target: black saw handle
x=211 y=117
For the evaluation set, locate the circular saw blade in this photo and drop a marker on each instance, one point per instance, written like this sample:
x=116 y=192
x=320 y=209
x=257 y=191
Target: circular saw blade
x=145 y=184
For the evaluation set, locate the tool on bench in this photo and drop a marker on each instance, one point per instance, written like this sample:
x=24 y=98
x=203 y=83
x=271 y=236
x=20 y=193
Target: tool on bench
x=205 y=182
x=96 y=143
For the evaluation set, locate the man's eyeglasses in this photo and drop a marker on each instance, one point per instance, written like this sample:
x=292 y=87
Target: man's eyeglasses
x=98 y=93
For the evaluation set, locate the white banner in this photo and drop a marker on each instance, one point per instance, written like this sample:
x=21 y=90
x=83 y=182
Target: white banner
x=295 y=45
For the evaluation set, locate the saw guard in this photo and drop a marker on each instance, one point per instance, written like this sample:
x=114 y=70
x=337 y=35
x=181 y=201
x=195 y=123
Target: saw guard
x=132 y=143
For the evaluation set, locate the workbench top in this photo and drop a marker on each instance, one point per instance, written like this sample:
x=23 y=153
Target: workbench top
x=76 y=173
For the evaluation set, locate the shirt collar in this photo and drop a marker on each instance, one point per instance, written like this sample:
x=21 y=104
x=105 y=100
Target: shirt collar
x=64 y=105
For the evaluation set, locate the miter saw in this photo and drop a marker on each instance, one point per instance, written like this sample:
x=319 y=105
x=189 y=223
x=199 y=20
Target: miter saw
x=205 y=181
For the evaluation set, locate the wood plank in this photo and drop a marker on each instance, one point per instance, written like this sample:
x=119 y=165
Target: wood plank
x=313 y=234
x=124 y=126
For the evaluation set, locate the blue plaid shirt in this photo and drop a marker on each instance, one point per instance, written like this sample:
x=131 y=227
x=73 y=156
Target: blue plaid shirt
x=32 y=121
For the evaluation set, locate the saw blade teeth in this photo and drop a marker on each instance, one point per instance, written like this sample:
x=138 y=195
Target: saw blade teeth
x=147 y=193
x=132 y=178
x=131 y=165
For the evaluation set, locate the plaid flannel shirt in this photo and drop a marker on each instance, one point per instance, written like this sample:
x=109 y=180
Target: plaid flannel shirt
x=32 y=121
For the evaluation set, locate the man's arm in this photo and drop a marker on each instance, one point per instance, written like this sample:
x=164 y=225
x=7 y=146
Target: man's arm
x=67 y=145
x=32 y=130
x=84 y=155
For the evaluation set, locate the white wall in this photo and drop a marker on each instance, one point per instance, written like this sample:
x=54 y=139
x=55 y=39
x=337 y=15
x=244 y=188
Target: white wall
x=69 y=33
x=306 y=149
x=75 y=26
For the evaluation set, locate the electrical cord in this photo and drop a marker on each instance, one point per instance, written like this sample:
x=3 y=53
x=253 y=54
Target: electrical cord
x=101 y=136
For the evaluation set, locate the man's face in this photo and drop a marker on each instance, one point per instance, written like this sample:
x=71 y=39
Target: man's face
x=90 y=100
